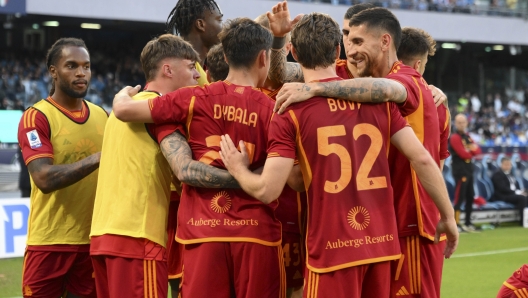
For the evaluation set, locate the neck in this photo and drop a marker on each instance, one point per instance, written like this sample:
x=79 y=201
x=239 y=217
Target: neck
x=243 y=77
x=198 y=45
x=318 y=73
x=65 y=101
x=386 y=64
x=160 y=87
x=271 y=85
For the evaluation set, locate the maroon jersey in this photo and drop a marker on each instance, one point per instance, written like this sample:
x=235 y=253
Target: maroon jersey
x=342 y=69
x=292 y=205
x=342 y=149
x=444 y=122
x=415 y=210
x=244 y=113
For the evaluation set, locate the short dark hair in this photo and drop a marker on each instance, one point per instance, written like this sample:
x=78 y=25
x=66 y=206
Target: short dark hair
x=55 y=52
x=242 y=40
x=164 y=46
x=379 y=18
x=415 y=43
x=186 y=12
x=315 y=38
x=356 y=8
x=216 y=65
x=505 y=158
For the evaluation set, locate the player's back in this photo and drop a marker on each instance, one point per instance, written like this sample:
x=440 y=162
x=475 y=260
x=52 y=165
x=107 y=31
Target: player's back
x=415 y=210
x=342 y=148
x=226 y=214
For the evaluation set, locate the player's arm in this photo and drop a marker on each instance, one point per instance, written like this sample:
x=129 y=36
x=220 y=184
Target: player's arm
x=265 y=187
x=374 y=90
x=431 y=179
x=49 y=177
x=128 y=110
x=280 y=70
x=456 y=143
x=178 y=153
x=295 y=180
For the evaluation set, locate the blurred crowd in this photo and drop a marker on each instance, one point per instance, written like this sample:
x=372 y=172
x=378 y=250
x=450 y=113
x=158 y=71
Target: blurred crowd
x=499 y=119
x=489 y=7
x=24 y=81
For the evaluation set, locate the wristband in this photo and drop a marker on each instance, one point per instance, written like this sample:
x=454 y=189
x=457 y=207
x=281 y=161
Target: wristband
x=278 y=42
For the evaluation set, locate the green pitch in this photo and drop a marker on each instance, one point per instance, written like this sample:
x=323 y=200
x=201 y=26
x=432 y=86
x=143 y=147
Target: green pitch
x=478 y=268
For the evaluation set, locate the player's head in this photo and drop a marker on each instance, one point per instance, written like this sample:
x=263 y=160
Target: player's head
x=247 y=46
x=374 y=33
x=461 y=123
x=316 y=41
x=506 y=164
x=416 y=45
x=217 y=68
x=201 y=17
x=351 y=11
x=170 y=57
x=68 y=63
x=264 y=22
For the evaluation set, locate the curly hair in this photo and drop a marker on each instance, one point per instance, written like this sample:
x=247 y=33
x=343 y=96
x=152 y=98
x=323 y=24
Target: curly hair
x=185 y=13
x=55 y=52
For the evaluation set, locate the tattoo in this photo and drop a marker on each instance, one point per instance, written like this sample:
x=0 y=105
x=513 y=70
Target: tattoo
x=364 y=90
x=282 y=71
x=178 y=153
x=50 y=177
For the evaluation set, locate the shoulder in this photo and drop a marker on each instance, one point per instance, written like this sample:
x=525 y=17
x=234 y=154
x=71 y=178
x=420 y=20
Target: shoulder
x=33 y=117
x=95 y=108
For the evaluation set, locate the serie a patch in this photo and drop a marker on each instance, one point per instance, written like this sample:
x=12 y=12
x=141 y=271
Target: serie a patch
x=34 y=139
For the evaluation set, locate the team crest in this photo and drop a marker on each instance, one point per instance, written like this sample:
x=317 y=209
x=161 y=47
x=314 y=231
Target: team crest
x=34 y=139
x=358 y=218
x=221 y=202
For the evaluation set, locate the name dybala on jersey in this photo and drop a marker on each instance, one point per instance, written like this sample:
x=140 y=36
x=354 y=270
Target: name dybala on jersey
x=342 y=149
x=225 y=215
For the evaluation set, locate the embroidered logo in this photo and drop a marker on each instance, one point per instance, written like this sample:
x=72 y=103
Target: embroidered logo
x=34 y=139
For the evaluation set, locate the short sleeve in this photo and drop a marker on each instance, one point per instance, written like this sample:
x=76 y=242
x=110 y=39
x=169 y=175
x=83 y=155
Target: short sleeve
x=161 y=131
x=412 y=102
x=34 y=136
x=281 y=137
x=172 y=107
x=396 y=120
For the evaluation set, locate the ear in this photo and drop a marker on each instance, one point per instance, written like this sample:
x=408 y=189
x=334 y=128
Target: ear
x=416 y=64
x=288 y=47
x=294 y=53
x=166 y=70
x=53 y=72
x=225 y=59
x=208 y=75
x=338 y=51
x=200 y=25
x=262 y=58
x=386 y=41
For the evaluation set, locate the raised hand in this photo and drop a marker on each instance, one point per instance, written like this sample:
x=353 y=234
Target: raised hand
x=279 y=18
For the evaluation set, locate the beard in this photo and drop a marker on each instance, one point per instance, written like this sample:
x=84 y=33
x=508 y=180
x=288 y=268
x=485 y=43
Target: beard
x=367 y=70
x=68 y=90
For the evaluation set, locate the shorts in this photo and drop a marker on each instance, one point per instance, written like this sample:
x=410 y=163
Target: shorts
x=293 y=259
x=174 y=249
x=233 y=269
x=364 y=281
x=418 y=272
x=516 y=286
x=51 y=273
x=126 y=277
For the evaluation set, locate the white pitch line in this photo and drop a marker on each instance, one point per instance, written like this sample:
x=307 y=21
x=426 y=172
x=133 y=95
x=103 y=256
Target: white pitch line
x=487 y=253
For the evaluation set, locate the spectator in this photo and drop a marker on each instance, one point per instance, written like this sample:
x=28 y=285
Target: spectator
x=497 y=103
x=507 y=188
x=463 y=102
x=475 y=103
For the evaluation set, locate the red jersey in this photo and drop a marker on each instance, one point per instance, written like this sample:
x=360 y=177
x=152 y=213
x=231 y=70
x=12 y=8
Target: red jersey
x=444 y=121
x=415 y=210
x=342 y=69
x=342 y=148
x=225 y=215
x=292 y=204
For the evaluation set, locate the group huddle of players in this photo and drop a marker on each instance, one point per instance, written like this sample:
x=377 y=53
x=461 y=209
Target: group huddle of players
x=337 y=195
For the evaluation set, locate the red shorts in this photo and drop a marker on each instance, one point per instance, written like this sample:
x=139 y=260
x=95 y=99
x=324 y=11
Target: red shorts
x=174 y=249
x=516 y=286
x=126 y=277
x=51 y=273
x=229 y=269
x=293 y=259
x=418 y=272
x=365 y=281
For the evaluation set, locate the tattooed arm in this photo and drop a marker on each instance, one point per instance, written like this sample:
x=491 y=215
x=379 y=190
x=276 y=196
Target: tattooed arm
x=178 y=153
x=374 y=90
x=49 y=177
x=282 y=71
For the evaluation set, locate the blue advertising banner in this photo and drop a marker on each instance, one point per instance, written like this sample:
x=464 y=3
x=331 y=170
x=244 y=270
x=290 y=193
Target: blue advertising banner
x=12 y=6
